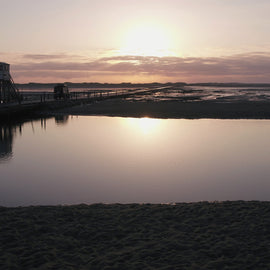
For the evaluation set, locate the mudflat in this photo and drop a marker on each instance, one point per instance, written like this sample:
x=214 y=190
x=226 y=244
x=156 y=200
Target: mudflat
x=174 y=109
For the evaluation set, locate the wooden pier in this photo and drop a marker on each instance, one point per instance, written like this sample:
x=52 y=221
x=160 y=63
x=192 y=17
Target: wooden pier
x=39 y=102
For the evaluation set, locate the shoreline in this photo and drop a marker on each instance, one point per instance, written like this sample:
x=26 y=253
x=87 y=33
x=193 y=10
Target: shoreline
x=171 y=109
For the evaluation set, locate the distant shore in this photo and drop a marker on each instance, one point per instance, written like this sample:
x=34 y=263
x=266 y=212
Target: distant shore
x=203 y=235
x=174 y=109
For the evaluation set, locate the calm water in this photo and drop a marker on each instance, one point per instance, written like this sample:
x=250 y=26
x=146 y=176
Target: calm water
x=101 y=159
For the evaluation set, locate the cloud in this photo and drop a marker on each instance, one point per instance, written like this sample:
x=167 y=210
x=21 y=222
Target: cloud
x=51 y=57
x=249 y=67
x=43 y=56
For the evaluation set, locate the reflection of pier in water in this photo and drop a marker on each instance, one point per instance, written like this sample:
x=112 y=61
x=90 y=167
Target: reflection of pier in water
x=61 y=119
x=8 y=132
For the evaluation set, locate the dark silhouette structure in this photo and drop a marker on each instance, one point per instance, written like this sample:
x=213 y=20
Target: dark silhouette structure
x=61 y=119
x=8 y=90
x=61 y=91
x=6 y=141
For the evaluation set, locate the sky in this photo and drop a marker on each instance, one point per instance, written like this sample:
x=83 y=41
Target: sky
x=136 y=41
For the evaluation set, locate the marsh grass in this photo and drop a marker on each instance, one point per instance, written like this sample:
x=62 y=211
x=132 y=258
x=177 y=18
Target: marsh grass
x=203 y=235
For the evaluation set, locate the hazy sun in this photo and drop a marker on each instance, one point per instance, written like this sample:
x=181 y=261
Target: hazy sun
x=146 y=40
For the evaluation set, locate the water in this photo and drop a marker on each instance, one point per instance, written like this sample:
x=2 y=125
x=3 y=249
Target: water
x=88 y=159
x=203 y=93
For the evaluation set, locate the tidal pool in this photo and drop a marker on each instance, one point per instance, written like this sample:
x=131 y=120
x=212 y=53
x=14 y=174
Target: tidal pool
x=88 y=159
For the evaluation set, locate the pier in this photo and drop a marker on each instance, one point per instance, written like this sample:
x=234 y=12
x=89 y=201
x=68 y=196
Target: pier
x=15 y=103
x=36 y=102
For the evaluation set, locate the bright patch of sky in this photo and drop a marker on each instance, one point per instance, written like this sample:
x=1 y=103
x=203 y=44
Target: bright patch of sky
x=82 y=31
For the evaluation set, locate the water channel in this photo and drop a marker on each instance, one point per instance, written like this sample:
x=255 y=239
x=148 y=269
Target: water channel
x=89 y=159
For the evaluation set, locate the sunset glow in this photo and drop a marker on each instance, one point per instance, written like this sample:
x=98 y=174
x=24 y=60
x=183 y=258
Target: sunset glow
x=147 y=40
x=136 y=41
x=145 y=126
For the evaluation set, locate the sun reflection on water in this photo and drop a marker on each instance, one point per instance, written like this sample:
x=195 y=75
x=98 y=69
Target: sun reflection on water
x=143 y=125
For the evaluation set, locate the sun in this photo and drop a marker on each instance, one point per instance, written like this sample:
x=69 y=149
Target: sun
x=147 y=40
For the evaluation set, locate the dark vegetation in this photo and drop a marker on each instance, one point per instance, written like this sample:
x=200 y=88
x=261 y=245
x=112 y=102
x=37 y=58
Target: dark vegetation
x=226 y=235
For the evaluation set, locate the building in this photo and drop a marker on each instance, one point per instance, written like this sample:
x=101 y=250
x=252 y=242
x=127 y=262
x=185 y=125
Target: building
x=8 y=90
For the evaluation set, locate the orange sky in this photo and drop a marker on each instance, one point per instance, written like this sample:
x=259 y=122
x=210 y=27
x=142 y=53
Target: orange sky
x=136 y=41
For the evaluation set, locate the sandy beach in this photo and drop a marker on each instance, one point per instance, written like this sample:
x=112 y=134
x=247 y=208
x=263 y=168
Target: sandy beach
x=218 y=235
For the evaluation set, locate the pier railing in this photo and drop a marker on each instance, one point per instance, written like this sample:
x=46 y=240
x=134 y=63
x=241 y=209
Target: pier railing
x=46 y=96
x=36 y=100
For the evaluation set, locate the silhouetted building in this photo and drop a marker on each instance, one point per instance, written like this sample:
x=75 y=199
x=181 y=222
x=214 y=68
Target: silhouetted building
x=61 y=91
x=8 y=90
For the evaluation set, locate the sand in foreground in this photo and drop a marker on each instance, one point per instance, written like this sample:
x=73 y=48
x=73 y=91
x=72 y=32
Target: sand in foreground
x=226 y=235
